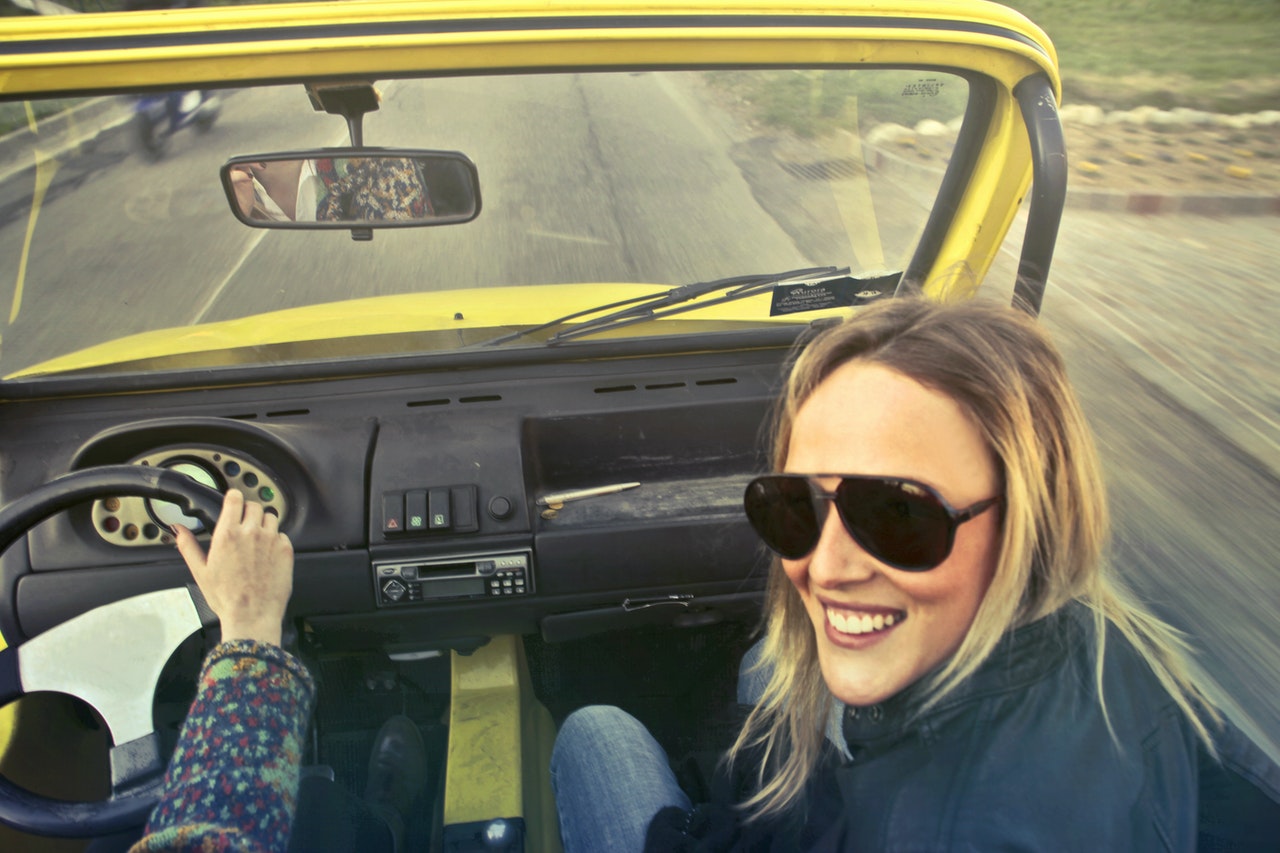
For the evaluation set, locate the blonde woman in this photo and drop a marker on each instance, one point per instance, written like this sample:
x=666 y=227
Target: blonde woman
x=947 y=663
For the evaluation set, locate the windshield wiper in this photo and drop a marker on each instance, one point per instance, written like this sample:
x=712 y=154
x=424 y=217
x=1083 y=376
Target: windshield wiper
x=559 y=321
x=641 y=309
x=738 y=287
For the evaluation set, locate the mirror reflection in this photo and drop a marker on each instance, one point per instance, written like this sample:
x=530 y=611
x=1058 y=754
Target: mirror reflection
x=368 y=190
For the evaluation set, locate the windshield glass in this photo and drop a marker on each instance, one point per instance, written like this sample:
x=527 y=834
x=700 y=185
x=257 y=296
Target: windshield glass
x=594 y=187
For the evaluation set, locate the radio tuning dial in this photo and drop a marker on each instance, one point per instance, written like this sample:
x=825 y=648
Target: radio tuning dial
x=394 y=590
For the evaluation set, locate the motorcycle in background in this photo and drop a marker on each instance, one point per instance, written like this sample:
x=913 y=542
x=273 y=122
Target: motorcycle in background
x=158 y=117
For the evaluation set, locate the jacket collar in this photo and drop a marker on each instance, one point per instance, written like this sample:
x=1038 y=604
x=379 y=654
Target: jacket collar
x=1022 y=656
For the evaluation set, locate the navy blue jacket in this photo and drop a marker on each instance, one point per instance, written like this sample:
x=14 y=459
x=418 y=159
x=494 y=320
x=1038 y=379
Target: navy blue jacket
x=1019 y=757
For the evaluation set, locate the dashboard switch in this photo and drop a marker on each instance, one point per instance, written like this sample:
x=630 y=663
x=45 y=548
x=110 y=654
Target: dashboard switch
x=439 y=514
x=393 y=513
x=415 y=510
x=464 y=509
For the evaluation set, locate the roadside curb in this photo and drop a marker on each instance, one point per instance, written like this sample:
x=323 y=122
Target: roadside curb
x=77 y=128
x=1156 y=203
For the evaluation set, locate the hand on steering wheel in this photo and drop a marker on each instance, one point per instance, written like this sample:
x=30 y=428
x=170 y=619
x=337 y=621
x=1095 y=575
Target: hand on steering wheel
x=247 y=576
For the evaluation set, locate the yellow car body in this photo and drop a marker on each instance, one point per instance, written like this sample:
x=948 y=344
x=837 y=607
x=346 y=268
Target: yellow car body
x=83 y=54
x=1011 y=136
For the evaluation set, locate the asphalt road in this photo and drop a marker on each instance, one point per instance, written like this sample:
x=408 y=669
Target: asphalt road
x=593 y=188
x=1168 y=323
x=552 y=211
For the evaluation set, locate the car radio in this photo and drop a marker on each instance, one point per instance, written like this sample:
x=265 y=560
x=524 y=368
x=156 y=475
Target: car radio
x=415 y=581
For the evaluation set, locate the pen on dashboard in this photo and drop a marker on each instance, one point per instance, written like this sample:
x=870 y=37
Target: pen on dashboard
x=562 y=498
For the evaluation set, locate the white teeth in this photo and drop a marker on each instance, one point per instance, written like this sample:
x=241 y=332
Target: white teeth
x=865 y=624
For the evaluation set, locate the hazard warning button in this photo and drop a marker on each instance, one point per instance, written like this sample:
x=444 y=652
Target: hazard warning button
x=393 y=512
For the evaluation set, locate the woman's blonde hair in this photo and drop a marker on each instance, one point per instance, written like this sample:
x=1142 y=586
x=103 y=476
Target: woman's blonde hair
x=1004 y=372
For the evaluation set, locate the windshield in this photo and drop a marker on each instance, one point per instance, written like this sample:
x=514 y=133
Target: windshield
x=595 y=188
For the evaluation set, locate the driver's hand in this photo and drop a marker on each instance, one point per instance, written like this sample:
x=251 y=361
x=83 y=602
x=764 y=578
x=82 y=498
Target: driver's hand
x=247 y=576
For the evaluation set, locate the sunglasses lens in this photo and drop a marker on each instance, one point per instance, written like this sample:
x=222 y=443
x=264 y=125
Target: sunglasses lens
x=782 y=512
x=900 y=523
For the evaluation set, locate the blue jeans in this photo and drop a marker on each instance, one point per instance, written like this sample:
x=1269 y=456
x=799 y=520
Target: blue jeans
x=611 y=777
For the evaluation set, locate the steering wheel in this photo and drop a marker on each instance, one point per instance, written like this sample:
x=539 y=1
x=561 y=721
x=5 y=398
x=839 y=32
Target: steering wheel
x=110 y=657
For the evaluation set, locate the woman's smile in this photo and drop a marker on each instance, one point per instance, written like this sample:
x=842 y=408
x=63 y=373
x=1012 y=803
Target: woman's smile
x=845 y=622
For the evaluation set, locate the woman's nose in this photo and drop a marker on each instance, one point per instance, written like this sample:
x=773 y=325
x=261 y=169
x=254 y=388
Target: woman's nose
x=838 y=559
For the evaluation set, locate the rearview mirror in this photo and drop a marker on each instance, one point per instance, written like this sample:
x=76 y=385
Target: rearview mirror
x=352 y=188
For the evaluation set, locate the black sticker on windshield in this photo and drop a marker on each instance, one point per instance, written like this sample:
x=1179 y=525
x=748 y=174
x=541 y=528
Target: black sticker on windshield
x=832 y=293
x=928 y=87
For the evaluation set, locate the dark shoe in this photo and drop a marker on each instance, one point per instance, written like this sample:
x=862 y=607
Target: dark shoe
x=397 y=774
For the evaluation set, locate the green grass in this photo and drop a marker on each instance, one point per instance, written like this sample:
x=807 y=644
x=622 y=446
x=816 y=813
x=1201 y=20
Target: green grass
x=14 y=115
x=1219 y=55
x=813 y=103
x=1214 y=54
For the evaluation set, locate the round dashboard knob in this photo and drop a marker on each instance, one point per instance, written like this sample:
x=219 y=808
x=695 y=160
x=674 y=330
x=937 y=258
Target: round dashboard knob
x=500 y=507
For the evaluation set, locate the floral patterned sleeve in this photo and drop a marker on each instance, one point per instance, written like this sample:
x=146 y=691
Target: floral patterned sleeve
x=232 y=783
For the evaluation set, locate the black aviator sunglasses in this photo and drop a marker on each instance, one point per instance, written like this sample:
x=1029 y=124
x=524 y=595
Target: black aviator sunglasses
x=902 y=523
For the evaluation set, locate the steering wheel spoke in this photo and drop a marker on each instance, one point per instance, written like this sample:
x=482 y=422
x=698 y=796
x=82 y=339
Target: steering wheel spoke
x=136 y=763
x=112 y=656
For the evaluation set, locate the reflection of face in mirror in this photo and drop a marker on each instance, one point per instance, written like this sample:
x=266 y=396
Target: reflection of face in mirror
x=362 y=189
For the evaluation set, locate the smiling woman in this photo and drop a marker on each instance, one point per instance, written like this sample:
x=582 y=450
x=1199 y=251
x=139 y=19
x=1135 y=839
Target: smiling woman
x=933 y=678
x=924 y=612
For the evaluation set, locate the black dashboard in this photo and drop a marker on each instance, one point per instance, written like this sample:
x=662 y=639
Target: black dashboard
x=427 y=507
